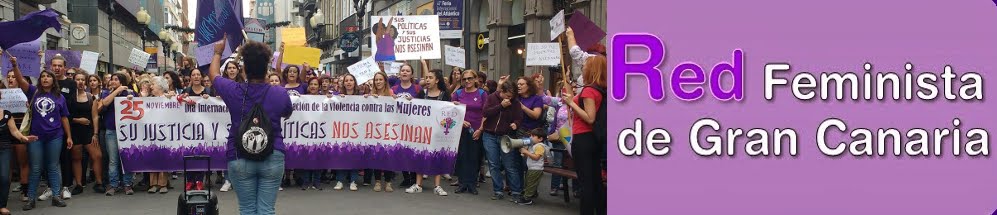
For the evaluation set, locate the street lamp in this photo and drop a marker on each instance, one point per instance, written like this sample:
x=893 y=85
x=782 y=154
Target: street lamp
x=361 y=7
x=317 y=19
x=143 y=18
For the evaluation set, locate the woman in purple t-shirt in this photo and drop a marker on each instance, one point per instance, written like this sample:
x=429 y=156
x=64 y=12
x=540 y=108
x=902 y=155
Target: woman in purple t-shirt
x=255 y=182
x=469 y=149
x=292 y=77
x=50 y=122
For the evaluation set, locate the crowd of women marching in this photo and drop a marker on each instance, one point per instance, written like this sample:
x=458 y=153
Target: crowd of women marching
x=68 y=132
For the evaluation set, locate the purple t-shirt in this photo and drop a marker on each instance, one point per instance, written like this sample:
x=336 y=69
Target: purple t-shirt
x=301 y=89
x=276 y=106
x=531 y=102
x=412 y=91
x=107 y=115
x=475 y=102
x=47 y=110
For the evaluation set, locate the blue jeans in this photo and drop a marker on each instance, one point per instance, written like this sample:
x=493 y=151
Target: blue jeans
x=45 y=153
x=341 y=175
x=114 y=169
x=555 y=160
x=256 y=183
x=310 y=177
x=498 y=161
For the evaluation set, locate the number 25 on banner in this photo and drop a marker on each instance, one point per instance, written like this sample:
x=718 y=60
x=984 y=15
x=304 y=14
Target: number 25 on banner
x=133 y=110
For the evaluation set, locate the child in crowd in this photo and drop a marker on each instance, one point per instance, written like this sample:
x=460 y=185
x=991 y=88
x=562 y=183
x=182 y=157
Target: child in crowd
x=534 y=154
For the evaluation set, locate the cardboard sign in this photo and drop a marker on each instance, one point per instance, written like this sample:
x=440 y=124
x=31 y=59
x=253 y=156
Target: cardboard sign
x=14 y=100
x=293 y=37
x=88 y=61
x=299 y=55
x=455 y=57
x=557 y=25
x=139 y=57
x=364 y=70
x=587 y=33
x=393 y=68
x=27 y=58
x=543 y=54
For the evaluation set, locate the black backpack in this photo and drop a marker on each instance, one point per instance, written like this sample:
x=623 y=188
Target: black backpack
x=599 y=125
x=256 y=138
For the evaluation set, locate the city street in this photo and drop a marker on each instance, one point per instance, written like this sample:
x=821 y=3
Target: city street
x=328 y=201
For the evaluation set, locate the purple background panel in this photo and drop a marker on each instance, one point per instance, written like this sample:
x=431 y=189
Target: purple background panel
x=813 y=36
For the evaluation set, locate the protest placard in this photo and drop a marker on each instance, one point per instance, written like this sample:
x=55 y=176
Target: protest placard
x=299 y=55
x=543 y=54
x=405 y=37
x=13 y=100
x=27 y=58
x=557 y=25
x=139 y=58
x=393 y=68
x=88 y=61
x=293 y=37
x=364 y=70
x=455 y=56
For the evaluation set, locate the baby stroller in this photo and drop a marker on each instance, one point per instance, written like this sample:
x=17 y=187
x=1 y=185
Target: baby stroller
x=195 y=201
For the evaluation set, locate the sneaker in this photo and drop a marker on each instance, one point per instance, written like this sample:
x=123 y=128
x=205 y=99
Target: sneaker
x=377 y=186
x=353 y=186
x=313 y=187
x=16 y=189
x=553 y=192
x=228 y=186
x=339 y=186
x=24 y=197
x=414 y=189
x=524 y=201
x=281 y=189
x=153 y=189
x=447 y=176
x=30 y=205
x=387 y=188
x=129 y=191
x=174 y=175
x=76 y=189
x=46 y=195
x=515 y=198
x=488 y=174
x=163 y=190
x=99 y=188
x=58 y=202
x=425 y=177
x=188 y=185
x=110 y=191
x=66 y=194
x=497 y=196
x=439 y=191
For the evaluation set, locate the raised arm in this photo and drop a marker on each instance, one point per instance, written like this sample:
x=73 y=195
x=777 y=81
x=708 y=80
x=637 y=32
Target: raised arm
x=21 y=82
x=216 y=60
x=280 y=61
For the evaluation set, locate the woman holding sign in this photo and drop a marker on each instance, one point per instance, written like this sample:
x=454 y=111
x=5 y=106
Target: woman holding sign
x=8 y=136
x=348 y=88
x=435 y=86
x=380 y=88
x=255 y=176
x=20 y=148
x=585 y=149
x=117 y=87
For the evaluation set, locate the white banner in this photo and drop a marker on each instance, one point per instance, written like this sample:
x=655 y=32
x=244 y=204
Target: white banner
x=14 y=100
x=543 y=54
x=557 y=25
x=455 y=56
x=139 y=58
x=364 y=70
x=398 y=38
x=88 y=61
x=349 y=132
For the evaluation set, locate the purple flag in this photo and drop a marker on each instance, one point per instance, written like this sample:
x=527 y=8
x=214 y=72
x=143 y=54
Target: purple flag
x=586 y=32
x=72 y=57
x=28 y=28
x=27 y=58
x=216 y=18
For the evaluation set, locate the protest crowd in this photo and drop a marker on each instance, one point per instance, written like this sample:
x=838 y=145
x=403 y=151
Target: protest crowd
x=67 y=141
